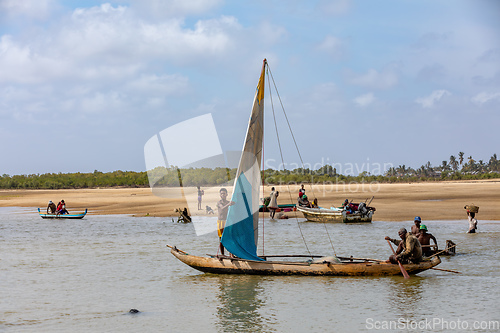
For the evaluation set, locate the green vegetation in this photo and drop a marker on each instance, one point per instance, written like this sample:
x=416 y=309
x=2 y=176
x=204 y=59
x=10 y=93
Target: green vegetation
x=454 y=169
x=75 y=180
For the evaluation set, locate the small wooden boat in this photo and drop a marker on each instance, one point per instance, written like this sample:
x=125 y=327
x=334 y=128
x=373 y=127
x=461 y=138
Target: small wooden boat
x=62 y=216
x=282 y=208
x=335 y=215
x=320 y=266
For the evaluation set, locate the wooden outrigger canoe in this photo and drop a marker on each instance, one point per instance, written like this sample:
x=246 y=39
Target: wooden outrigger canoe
x=334 y=215
x=321 y=266
x=284 y=208
x=62 y=216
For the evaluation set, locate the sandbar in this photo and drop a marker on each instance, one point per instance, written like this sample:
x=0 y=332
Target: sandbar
x=393 y=202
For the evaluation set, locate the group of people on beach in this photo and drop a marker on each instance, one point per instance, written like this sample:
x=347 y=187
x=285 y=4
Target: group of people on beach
x=57 y=210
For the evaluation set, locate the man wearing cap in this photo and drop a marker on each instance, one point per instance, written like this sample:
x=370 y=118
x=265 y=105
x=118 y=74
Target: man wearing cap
x=412 y=251
x=415 y=229
x=425 y=241
x=52 y=207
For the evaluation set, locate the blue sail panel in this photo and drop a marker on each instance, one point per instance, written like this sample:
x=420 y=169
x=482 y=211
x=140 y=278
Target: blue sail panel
x=238 y=237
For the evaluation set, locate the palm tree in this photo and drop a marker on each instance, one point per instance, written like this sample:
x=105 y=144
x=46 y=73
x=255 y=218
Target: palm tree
x=454 y=162
x=493 y=163
x=461 y=157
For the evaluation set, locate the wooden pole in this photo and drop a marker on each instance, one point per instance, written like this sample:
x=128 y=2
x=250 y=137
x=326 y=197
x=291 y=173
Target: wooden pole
x=403 y=270
x=435 y=254
x=446 y=270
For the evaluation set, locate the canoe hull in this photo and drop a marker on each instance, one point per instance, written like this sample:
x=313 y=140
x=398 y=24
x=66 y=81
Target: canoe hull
x=217 y=265
x=62 y=216
x=330 y=215
x=284 y=207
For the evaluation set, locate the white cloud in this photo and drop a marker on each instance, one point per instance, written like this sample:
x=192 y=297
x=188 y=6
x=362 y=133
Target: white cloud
x=109 y=42
x=36 y=10
x=364 y=100
x=433 y=98
x=331 y=45
x=158 y=85
x=171 y=8
x=373 y=79
x=484 y=97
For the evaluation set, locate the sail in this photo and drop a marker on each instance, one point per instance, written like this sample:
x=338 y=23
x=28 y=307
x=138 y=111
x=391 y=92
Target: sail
x=241 y=231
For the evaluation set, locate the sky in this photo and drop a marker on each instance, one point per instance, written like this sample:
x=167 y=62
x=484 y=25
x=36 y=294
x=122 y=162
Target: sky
x=85 y=84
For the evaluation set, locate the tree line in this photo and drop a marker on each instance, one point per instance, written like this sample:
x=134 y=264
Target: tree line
x=460 y=168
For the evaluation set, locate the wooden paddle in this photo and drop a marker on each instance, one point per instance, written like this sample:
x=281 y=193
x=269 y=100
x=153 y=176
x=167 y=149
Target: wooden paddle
x=403 y=270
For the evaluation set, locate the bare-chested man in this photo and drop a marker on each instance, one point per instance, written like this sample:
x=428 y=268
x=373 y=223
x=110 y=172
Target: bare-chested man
x=425 y=240
x=415 y=229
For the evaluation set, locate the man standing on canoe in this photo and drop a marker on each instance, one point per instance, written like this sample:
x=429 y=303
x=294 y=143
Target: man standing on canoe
x=222 y=207
x=412 y=251
x=425 y=241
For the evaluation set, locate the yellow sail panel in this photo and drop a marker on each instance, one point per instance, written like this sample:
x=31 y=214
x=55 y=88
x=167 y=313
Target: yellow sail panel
x=260 y=85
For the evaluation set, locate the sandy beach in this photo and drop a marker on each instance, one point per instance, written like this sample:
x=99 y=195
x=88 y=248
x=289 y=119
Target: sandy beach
x=394 y=202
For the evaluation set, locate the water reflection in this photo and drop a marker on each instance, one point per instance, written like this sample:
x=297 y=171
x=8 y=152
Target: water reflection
x=240 y=298
x=406 y=296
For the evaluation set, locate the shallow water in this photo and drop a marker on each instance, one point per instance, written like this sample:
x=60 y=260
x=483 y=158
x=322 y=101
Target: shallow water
x=85 y=275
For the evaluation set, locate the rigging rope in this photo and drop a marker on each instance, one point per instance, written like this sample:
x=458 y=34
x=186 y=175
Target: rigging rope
x=270 y=74
x=281 y=152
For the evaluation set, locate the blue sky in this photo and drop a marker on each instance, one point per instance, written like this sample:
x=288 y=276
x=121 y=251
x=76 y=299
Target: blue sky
x=84 y=84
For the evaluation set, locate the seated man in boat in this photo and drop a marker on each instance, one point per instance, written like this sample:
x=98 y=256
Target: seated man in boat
x=415 y=229
x=52 y=207
x=61 y=208
x=347 y=206
x=303 y=201
x=315 y=203
x=425 y=241
x=222 y=208
x=412 y=251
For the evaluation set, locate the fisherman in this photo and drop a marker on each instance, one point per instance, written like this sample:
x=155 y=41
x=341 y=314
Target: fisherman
x=425 y=241
x=302 y=190
x=412 y=251
x=222 y=208
x=184 y=216
x=273 y=203
x=347 y=206
x=472 y=222
x=61 y=208
x=52 y=207
x=303 y=201
x=415 y=229
x=315 y=203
